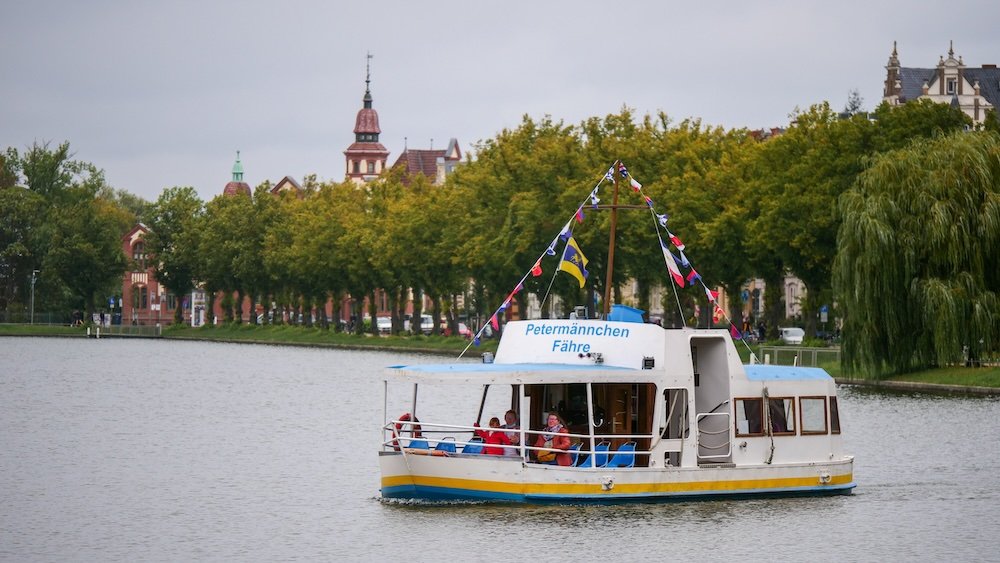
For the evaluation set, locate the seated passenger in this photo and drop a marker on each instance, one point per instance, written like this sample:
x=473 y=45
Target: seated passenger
x=493 y=438
x=554 y=436
x=510 y=419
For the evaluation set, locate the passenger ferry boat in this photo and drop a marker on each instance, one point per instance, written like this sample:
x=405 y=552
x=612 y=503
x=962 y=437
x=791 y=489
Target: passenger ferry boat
x=652 y=414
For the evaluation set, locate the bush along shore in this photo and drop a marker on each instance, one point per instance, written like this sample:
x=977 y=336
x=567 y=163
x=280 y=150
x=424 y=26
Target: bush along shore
x=956 y=379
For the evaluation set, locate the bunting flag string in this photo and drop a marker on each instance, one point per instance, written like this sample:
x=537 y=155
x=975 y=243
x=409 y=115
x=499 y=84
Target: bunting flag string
x=673 y=263
x=565 y=235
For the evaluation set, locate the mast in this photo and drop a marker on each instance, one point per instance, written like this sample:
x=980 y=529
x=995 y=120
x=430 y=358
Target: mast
x=611 y=241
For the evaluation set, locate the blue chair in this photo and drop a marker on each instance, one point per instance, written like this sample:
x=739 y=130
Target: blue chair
x=474 y=446
x=446 y=445
x=419 y=445
x=598 y=459
x=624 y=457
x=574 y=452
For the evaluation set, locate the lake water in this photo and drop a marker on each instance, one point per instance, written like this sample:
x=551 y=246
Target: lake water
x=116 y=450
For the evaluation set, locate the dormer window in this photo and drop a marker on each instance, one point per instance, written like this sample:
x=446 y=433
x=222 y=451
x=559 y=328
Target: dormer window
x=952 y=82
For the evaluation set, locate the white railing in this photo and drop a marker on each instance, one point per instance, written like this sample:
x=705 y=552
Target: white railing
x=398 y=434
x=725 y=443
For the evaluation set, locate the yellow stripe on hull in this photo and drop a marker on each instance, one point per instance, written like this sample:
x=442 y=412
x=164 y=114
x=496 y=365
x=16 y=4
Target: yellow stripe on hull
x=592 y=489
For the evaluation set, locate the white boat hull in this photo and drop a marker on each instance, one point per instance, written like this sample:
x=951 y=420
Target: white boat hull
x=430 y=477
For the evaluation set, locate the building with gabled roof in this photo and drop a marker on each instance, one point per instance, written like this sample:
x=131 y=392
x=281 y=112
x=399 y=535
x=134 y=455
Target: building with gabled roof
x=434 y=164
x=973 y=90
x=287 y=184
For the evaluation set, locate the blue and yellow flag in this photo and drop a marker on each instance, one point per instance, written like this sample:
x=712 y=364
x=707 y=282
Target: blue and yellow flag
x=574 y=262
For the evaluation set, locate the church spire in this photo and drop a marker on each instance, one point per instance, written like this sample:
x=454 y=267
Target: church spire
x=368 y=80
x=237 y=186
x=894 y=57
x=237 y=169
x=366 y=156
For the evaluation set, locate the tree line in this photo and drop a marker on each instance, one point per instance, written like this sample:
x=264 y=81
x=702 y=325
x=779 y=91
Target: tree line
x=747 y=206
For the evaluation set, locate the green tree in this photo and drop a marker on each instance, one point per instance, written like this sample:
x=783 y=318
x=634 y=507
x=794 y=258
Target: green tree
x=800 y=175
x=22 y=213
x=916 y=271
x=86 y=253
x=172 y=242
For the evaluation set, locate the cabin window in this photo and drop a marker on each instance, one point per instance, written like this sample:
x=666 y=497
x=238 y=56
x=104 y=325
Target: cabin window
x=622 y=409
x=813 y=411
x=749 y=417
x=782 y=414
x=951 y=85
x=834 y=416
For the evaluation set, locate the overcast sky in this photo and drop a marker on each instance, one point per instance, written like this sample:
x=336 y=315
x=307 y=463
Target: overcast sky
x=163 y=94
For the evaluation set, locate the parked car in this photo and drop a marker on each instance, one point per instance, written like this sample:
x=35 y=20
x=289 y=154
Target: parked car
x=384 y=324
x=463 y=330
x=792 y=335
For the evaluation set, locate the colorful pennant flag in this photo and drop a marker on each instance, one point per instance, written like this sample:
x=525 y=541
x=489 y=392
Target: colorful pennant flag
x=495 y=322
x=636 y=186
x=536 y=270
x=663 y=220
x=649 y=201
x=579 y=215
x=622 y=170
x=734 y=332
x=693 y=276
x=717 y=314
x=594 y=199
x=675 y=272
x=677 y=242
x=565 y=233
x=610 y=175
x=712 y=295
x=574 y=262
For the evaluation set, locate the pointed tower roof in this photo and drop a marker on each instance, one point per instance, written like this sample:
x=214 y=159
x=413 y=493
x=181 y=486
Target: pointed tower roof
x=237 y=186
x=366 y=156
x=367 y=120
x=893 y=58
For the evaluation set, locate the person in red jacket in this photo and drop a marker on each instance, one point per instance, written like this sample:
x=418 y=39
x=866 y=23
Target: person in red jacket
x=493 y=438
x=554 y=436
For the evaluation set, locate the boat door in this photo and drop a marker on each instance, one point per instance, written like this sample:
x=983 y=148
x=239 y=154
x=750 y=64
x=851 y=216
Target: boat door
x=712 y=395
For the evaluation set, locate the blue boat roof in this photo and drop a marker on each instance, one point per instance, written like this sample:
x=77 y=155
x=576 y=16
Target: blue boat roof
x=760 y=372
x=500 y=368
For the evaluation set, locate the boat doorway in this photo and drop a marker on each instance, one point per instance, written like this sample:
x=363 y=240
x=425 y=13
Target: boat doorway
x=710 y=364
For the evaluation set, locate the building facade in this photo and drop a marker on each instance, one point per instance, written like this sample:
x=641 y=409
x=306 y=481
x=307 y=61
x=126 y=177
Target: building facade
x=973 y=90
x=144 y=301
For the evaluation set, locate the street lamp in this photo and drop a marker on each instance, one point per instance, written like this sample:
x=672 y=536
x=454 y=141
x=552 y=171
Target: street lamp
x=34 y=276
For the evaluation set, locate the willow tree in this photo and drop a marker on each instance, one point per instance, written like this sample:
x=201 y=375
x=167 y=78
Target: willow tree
x=916 y=271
